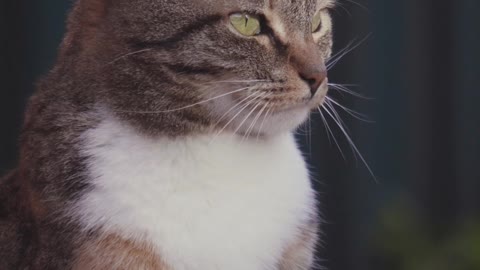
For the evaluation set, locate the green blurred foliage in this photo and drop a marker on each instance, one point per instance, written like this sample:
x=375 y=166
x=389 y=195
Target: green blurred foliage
x=404 y=242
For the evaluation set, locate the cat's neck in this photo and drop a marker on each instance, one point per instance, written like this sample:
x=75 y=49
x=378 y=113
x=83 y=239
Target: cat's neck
x=195 y=191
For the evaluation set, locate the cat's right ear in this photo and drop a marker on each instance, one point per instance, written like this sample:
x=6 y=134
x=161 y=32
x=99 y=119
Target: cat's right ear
x=83 y=24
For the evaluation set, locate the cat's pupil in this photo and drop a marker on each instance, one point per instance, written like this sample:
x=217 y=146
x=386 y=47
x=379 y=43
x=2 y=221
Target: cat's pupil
x=318 y=27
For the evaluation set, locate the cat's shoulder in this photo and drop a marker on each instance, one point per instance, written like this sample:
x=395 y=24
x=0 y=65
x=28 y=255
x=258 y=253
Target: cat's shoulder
x=10 y=236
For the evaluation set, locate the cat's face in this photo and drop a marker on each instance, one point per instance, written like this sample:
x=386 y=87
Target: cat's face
x=260 y=64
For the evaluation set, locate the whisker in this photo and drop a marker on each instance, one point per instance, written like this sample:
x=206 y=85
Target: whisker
x=238 y=113
x=352 y=144
x=252 y=125
x=342 y=6
x=326 y=126
x=263 y=121
x=355 y=114
x=343 y=88
x=248 y=115
x=331 y=58
x=331 y=132
x=236 y=81
x=358 y=4
x=339 y=120
x=335 y=59
x=127 y=55
x=335 y=113
x=234 y=107
x=309 y=135
x=191 y=105
x=342 y=53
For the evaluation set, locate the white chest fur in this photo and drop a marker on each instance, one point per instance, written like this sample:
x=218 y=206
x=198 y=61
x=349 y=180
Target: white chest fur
x=203 y=203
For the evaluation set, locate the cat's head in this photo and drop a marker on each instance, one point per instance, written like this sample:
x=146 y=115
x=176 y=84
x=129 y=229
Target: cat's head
x=245 y=66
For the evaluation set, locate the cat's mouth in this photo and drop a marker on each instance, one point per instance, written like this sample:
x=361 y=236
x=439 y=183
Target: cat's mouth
x=278 y=114
x=309 y=102
x=316 y=100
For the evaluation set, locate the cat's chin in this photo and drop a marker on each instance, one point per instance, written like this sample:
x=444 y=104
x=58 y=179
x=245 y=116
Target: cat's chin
x=285 y=121
x=275 y=123
x=267 y=122
x=289 y=119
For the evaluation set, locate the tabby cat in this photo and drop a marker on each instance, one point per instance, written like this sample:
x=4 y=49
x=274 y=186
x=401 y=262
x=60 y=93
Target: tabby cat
x=162 y=139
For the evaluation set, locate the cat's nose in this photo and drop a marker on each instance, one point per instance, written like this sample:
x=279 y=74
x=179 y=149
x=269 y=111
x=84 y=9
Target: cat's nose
x=314 y=76
x=308 y=62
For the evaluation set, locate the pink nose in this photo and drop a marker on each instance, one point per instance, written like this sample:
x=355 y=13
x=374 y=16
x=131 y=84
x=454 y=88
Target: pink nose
x=309 y=63
x=314 y=76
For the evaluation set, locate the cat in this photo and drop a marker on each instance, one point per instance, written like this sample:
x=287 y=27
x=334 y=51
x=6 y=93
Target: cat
x=162 y=139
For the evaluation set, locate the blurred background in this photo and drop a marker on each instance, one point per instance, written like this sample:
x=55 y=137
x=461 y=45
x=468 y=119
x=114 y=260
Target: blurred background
x=418 y=67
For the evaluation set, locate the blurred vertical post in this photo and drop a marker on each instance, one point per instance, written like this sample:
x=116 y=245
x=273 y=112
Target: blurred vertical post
x=13 y=83
x=31 y=32
x=467 y=105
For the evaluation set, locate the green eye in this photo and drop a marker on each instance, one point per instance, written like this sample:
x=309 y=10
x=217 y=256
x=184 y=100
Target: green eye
x=317 y=22
x=247 y=25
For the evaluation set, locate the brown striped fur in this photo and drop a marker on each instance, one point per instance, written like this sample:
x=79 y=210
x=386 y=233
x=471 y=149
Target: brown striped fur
x=113 y=252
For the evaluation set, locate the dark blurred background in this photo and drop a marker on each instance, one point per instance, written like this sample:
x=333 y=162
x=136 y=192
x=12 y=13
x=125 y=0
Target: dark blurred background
x=420 y=67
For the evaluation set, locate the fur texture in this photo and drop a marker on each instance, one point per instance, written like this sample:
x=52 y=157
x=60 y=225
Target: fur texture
x=203 y=203
x=161 y=139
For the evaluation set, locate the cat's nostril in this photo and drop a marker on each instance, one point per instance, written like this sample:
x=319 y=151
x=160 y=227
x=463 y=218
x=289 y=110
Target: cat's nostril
x=314 y=79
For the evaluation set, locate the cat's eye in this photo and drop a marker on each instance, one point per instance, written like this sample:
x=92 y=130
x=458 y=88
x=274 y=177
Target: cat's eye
x=246 y=24
x=317 y=22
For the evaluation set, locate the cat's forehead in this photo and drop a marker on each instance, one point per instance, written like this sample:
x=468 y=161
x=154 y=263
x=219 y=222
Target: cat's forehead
x=279 y=5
